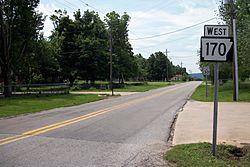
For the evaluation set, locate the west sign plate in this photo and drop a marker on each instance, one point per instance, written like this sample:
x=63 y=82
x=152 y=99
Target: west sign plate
x=214 y=49
x=216 y=30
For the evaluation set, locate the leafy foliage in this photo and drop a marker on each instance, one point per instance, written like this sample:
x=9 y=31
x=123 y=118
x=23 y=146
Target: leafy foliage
x=20 y=26
x=79 y=48
x=242 y=8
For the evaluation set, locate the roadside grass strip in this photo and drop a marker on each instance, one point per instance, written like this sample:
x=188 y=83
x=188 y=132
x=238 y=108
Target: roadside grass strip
x=64 y=123
x=225 y=92
x=191 y=155
x=20 y=105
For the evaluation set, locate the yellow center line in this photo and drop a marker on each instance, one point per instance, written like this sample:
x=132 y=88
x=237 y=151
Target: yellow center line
x=64 y=123
x=7 y=138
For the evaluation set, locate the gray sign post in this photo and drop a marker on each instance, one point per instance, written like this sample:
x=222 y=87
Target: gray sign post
x=216 y=47
x=206 y=72
x=216 y=88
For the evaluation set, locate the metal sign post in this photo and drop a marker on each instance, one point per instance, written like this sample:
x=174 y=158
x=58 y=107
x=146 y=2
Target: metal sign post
x=206 y=87
x=216 y=47
x=215 y=119
x=236 y=78
x=206 y=72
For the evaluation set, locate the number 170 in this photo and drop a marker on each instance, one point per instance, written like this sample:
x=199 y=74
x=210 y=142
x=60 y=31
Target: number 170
x=212 y=47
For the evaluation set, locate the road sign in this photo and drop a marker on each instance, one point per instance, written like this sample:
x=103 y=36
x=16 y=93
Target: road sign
x=216 y=49
x=206 y=70
x=216 y=30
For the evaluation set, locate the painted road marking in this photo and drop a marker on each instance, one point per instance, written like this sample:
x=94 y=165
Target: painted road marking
x=64 y=123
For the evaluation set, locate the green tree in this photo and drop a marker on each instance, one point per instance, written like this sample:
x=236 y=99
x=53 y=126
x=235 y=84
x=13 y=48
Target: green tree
x=141 y=67
x=83 y=45
x=123 y=58
x=243 y=18
x=20 y=26
x=65 y=30
x=159 y=67
x=93 y=45
x=243 y=36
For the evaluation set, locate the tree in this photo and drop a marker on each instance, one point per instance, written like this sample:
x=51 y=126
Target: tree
x=83 y=47
x=243 y=24
x=20 y=26
x=141 y=67
x=47 y=63
x=159 y=67
x=93 y=45
x=243 y=36
x=122 y=50
x=69 y=51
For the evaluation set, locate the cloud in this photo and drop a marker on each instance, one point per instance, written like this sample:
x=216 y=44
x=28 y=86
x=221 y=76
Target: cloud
x=48 y=9
x=183 y=45
x=151 y=18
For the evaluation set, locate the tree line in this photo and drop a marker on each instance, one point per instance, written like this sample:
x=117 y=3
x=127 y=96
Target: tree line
x=78 y=48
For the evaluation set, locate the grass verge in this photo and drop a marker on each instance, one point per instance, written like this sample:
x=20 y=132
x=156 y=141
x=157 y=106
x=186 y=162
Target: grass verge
x=225 y=92
x=190 y=155
x=29 y=104
x=132 y=87
x=143 y=88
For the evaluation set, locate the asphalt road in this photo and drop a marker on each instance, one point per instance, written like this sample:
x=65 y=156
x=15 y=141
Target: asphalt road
x=125 y=131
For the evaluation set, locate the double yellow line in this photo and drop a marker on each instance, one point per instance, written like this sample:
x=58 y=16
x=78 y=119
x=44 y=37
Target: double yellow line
x=64 y=123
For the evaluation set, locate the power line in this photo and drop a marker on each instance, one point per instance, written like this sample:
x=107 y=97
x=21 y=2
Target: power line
x=99 y=11
x=70 y=3
x=92 y=7
x=63 y=4
x=171 y=32
x=47 y=10
x=163 y=43
x=154 y=8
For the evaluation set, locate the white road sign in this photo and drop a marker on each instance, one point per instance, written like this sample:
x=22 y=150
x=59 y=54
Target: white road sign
x=216 y=49
x=206 y=70
x=216 y=31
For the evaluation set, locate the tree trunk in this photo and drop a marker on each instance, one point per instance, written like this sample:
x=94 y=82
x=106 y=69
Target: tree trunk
x=5 y=55
x=7 y=82
x=71 y=81
x=122 y=78
x=92 y=82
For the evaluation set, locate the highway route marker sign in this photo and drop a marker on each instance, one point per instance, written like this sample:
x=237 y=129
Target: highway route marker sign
x=206 y=70
x=216 y=46
x=214 y=49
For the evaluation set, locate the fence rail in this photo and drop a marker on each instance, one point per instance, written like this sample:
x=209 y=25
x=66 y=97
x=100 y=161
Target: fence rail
x=37 y=89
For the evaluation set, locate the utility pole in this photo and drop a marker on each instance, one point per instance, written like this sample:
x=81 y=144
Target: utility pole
x=232 y=13
x=181 y=70
x=111 y=61
x=167 y=62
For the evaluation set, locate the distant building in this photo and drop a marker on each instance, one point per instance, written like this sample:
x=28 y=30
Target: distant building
x=177 y=77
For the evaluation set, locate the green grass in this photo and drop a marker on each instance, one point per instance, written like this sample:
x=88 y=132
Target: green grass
x=192 y=155
x=129 y=87
x=225 y=92
x=143 y=88
x=29 y=104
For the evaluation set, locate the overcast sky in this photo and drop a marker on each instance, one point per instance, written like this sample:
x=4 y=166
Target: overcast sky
x=149 y=18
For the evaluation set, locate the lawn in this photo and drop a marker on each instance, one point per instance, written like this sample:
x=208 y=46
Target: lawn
x=190 y=155
x=143 y=88
x=133 y=87
x=29 y=104
x=225 y=92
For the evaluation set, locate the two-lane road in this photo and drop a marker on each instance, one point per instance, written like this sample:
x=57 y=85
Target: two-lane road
x=125 y=131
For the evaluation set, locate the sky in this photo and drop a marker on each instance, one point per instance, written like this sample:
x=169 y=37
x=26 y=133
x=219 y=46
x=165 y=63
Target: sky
x=152 y=18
